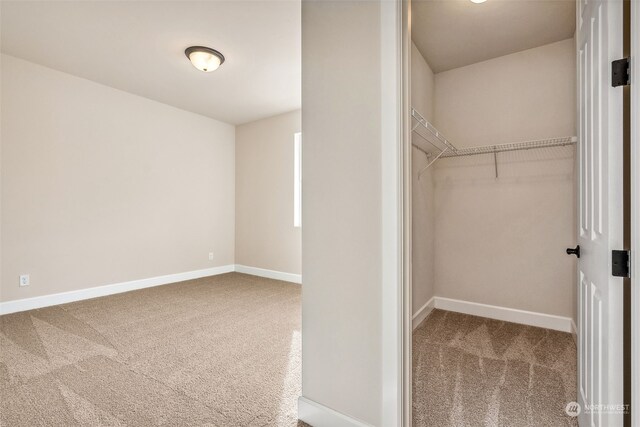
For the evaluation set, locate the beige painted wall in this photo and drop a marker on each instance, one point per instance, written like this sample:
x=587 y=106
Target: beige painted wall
x=502 y=241
x=342 y=305
x=422 y=85
x=422 y=196
x=525 y=95
x=100 y=186
x=265 y=235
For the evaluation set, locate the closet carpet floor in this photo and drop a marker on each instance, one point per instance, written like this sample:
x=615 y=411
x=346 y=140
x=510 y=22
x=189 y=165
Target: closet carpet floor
x=217 y=351
x=473 y=371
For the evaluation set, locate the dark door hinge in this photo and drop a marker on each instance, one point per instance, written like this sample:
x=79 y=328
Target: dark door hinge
x=620 y=264
x=620 y=72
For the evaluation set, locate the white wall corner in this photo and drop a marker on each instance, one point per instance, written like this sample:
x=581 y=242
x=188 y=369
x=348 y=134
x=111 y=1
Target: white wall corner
x=269 y=274
x=101 y=291
x=531 y=318
x=317 y=415
x=423 y=312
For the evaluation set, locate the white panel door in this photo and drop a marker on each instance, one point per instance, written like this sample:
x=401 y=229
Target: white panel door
x=600 y=376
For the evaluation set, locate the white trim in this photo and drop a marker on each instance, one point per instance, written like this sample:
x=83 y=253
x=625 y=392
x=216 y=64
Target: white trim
x=100 y=291
x=574 y=331
x=319 y=415
x=392 y=149
x=423 y=312
x=530 y=318
x=116 y=288
x=269 y=274
x=406 y=299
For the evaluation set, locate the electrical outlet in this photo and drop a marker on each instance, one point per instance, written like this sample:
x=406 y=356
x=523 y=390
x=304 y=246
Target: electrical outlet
x=24 y=280
x=210 y=256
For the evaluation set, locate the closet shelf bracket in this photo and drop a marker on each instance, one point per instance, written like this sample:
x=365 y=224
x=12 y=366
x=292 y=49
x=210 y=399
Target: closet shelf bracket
x=431 y=162
x=437 y=142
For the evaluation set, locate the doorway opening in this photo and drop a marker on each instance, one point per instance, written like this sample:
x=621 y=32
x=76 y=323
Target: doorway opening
x=514 y=168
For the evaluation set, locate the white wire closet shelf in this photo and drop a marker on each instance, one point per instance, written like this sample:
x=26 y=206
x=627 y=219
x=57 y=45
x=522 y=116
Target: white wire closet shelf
x=441 y=147
x=513 y=146
x=435 y=141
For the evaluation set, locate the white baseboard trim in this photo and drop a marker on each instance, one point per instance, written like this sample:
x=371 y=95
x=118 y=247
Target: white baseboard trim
x=319 y=415
x=100 y=291
x=269 y=274
x=530 y=318
x=423 y=312
x=574 y=331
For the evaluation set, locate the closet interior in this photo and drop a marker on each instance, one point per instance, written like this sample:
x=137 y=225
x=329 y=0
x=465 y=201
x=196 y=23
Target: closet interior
x=493 y=110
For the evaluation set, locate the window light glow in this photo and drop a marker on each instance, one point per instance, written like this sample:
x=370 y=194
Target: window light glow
x=297 y=180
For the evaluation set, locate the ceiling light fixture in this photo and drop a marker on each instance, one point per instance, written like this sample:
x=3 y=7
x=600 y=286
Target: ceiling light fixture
x=204 y=58
x=478 y=1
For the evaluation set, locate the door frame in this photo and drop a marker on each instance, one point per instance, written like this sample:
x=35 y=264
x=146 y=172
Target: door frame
x=405 y=208
x=406 y=202
x=396 y=273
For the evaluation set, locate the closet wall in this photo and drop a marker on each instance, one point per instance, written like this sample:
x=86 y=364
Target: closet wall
x=422 y=99
x=497 y=241
x=502 y=241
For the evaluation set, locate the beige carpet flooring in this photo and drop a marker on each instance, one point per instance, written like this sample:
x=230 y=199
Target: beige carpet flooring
x=473 y=371
x=218 y=351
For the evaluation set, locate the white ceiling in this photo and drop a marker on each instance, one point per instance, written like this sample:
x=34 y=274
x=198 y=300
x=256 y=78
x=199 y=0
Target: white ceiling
x=138 y=47
x=455 y=33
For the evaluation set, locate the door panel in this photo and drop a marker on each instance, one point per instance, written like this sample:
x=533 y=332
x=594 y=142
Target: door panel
x=599 y=41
